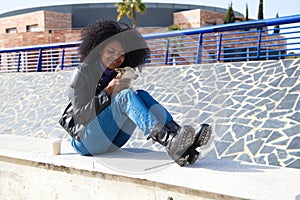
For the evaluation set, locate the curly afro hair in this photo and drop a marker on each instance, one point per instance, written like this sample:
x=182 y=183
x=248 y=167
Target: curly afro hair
x=97 y=34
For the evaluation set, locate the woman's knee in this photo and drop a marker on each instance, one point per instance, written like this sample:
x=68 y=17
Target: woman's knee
x=129 y=92
x=123 y=96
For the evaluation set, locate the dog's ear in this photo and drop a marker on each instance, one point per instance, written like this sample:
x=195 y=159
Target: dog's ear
x=127 y=68
x=120 y=70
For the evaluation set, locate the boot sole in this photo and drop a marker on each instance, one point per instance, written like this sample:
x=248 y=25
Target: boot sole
x=203 y=136
x=185 y=144
x=192 y=155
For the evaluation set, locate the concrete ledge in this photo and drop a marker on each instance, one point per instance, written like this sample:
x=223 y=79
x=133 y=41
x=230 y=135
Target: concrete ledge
x=29 y=171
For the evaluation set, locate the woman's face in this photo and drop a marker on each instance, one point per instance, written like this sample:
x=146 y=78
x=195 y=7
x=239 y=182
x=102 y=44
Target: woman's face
x=112 y=55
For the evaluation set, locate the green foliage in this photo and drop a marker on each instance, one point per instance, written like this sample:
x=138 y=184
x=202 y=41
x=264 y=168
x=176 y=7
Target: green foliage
x=174 y=28
x=261 y=9
x=229 y=16
x=292 y=56
x=174 y=42
x=130 y=8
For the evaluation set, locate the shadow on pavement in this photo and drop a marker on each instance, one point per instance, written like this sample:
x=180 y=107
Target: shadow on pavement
x=229 y=165
x=144 y=159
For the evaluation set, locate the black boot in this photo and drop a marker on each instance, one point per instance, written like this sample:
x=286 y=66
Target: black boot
x=201 y=139
x=176 y=139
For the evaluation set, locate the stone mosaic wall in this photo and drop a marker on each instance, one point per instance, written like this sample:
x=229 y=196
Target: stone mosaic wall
x=254 y=107
x=32 y=102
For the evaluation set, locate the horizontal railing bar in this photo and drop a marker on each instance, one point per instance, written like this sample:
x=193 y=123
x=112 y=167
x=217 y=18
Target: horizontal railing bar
x=38 y=47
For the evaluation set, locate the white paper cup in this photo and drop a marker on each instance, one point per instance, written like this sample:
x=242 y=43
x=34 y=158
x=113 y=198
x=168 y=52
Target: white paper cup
x=55 y=146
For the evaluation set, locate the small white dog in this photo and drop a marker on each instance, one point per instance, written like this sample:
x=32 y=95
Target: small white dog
x=127 y=72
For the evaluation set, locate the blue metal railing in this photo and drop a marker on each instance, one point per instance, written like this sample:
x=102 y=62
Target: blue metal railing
x=243 y=41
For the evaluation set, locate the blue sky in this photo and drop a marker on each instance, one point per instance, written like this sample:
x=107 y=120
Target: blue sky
x=271 y=7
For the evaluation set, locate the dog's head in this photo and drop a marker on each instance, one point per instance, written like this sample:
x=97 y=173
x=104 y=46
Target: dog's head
x=127 y=72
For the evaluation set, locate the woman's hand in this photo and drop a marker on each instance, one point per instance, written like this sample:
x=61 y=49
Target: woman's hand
x=116 y=85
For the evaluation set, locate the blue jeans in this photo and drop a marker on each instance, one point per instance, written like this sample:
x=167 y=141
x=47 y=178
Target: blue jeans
x=112 y=128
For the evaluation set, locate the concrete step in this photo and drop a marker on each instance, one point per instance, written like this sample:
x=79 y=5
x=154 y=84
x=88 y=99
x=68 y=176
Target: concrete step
x=30 y=171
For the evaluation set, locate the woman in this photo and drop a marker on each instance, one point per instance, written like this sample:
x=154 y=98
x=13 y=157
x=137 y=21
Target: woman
x=107 y=111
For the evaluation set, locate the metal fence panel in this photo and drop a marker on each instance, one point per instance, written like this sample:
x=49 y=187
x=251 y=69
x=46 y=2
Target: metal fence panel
x=269 y=39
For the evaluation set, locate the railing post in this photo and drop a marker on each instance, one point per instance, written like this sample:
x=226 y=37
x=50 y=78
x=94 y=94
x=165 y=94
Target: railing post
x=62 y=59
x=40 y=59
x=167 y=51
x=19 y=62
x=259 y=44
x=199 y=50
x=219 y=47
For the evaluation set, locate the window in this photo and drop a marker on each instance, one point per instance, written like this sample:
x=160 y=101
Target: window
x=32 y=28
x=11 y=30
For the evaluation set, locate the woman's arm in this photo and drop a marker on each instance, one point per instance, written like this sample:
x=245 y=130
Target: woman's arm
x=86 y=104
x=116 y=85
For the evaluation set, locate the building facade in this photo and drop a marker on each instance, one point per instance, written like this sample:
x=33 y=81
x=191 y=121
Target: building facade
x=41 y=27
x=54 y=24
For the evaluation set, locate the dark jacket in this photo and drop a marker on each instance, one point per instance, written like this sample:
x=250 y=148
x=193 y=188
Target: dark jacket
x=87 y=100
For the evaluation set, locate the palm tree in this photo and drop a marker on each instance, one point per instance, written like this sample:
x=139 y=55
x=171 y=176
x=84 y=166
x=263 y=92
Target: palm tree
x=130 y=8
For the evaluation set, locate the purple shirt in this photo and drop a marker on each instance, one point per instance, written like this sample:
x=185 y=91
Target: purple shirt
x=107 y=75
